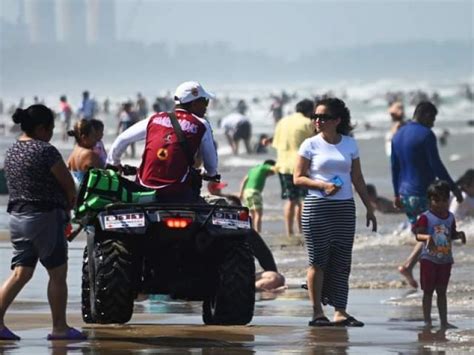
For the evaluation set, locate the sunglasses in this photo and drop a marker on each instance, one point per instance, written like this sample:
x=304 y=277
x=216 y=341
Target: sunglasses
x=323 y=117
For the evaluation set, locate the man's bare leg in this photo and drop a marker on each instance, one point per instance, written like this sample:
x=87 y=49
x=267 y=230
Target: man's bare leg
x=406 y=269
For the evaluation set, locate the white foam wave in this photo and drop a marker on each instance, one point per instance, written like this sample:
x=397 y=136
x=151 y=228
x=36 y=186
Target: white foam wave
x=240 y=161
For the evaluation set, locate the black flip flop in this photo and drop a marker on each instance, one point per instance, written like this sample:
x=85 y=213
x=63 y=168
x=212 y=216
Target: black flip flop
x=320 y=322
x=348 y=322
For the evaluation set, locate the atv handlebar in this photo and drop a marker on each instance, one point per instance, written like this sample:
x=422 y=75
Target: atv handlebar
x=123 y=169
x=129 y=170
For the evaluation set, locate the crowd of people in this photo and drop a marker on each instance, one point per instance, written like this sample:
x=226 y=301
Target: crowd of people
x=318 y=165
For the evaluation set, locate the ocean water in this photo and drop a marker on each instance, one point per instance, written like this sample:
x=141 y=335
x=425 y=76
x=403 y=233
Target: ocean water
x=376 y=255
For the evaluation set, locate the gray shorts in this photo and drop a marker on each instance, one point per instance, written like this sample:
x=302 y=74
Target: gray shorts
x=38 y=235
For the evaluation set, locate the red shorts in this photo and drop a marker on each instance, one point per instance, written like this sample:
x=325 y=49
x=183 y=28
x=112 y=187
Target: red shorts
x=434 y=276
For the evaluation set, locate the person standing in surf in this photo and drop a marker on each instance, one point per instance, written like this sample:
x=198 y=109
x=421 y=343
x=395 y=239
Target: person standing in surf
x=415 y=165
x=328 y=164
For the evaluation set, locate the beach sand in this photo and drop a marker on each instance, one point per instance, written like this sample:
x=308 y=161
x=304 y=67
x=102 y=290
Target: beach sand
x=379 y=296
x=392 y=314
x=280 y=325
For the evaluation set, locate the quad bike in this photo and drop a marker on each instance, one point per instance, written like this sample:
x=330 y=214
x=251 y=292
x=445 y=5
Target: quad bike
x=196 y=252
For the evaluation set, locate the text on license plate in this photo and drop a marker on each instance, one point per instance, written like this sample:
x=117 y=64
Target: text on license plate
x=126 y=220
x=229 y=220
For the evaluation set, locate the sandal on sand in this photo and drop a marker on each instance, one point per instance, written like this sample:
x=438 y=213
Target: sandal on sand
x=408 y=275
x=348 y=322
x=71 y=334
x=320 y=322
x=7 y=334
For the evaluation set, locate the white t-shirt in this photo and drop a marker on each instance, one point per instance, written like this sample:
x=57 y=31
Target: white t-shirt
x=330 y=160
x=464 y=209
x=231 y=121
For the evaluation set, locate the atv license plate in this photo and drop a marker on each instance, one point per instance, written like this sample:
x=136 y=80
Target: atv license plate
x=229 y=220
x=126 y=220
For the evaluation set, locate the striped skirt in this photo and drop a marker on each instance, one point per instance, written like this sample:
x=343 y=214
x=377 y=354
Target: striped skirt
x=329 y=228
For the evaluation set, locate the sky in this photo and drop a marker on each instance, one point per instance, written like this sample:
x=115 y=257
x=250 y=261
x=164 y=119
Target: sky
x=288 y=28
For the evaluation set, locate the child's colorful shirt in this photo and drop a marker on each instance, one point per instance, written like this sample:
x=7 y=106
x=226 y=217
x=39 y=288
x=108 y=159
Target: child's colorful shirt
x=257 y=177
x=440 y=230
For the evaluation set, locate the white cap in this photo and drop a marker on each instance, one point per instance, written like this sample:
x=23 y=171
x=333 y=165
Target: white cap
x=190 y=91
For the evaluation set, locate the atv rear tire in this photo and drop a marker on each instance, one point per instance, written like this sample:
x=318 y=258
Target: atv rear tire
x=234 y=300
x=114 y=293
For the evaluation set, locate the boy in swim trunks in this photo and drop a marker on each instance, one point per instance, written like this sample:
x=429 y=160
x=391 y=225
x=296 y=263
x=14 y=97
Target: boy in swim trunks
x=251 y=189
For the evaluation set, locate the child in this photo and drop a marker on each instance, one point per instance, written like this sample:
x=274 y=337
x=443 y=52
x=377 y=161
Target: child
x=437 y=228
x=466 y=208
x=261 y=146
x=83 y=157
x=99 y=148
x=251 y=189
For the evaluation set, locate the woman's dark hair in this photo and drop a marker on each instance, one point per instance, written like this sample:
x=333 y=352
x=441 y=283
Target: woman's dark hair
x=439 y=188
x=338 y=109
x=269 y=162
x=82 y=127
x=32 y=117
x=466 y=179
x=97 y=124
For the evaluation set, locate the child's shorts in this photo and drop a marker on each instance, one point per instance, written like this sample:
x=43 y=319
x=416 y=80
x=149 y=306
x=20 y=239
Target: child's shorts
x=39 y=235
x=253 y=199
x=434 y=276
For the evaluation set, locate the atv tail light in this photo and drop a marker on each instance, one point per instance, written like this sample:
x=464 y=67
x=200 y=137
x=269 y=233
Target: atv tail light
x=243 y=215
x=177 y=222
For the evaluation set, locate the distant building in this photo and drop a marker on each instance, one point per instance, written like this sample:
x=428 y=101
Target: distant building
x=100 y=21
x=70 y=21
x=38 y=15
x=65 y=21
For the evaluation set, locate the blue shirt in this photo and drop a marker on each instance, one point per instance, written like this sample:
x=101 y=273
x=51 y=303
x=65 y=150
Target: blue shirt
x=415 y=160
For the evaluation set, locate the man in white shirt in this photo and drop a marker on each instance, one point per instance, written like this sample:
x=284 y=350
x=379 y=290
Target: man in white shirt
x=166 y=165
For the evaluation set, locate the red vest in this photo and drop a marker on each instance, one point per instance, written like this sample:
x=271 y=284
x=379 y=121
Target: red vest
x=164 y=162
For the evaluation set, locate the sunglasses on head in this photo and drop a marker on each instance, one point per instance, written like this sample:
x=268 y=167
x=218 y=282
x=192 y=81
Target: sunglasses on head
x=322 y=117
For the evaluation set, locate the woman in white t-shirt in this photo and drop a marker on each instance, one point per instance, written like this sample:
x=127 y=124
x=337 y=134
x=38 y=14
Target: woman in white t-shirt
x=328 y=165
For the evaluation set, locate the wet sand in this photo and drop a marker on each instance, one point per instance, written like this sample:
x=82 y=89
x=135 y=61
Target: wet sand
x=379 y=297
x=279 y=325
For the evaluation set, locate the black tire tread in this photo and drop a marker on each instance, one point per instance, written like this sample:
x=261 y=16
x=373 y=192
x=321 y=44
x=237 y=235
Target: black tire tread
x=235 y=293
x=85 y=291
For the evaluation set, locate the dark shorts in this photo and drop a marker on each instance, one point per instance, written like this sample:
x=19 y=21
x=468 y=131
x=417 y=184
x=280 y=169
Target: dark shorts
x=413 y=206
x=289 y=191
x=243 y=131
x=39 y=235
x=434 y=276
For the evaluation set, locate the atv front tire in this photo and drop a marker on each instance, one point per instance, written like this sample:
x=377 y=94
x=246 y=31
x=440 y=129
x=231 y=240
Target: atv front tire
x=113 y=286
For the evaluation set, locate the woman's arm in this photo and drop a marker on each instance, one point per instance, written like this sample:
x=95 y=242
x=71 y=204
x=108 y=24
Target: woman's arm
x=66 y=182
x=361 y=188
x=301 y=178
